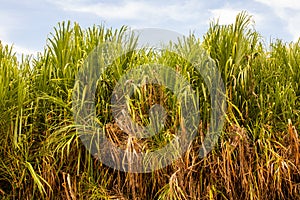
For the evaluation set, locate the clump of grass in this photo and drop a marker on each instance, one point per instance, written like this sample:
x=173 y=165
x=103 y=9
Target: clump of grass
x=257 y=156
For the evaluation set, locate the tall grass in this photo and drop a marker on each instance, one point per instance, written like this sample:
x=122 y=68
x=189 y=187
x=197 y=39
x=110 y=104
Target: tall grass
x=257 y=156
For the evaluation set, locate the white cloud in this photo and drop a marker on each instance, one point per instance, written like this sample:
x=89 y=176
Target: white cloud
x=279 y=4
x=225 y=15
x=135 y=10
x=293 y=26
x=20 y=49
x=3 y=33
x=9 y=24
x=23 y=50
x=27 y=23
x=181 y=16
x=288 y=11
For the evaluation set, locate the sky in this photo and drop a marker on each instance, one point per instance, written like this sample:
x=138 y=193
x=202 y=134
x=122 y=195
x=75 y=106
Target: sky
x=27 y=24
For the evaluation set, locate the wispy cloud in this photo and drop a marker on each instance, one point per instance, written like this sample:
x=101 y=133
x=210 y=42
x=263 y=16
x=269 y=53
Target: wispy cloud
x=19 y=50
x=26 y=23
x=225 y=15
x=289 y=12
x=182 y=16
x=23 y=50
x=8 y=26
x=279 y=4
x=135 y=10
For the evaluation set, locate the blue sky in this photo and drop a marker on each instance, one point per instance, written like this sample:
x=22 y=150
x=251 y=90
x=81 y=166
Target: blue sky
x=27 y=23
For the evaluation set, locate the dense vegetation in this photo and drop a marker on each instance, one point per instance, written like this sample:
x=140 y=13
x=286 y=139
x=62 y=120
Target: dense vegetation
x=257 y=156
